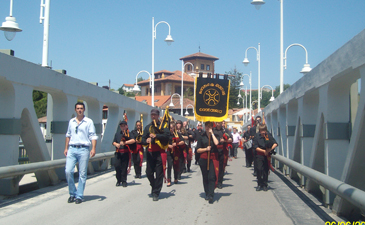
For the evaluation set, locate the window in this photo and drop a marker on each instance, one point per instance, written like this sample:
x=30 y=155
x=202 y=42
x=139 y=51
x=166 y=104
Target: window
x=189 y=68
x=105 y=115
x=208 y=67
x=202 y=66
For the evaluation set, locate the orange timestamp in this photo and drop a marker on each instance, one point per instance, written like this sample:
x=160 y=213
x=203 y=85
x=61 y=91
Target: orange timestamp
x=345 y=223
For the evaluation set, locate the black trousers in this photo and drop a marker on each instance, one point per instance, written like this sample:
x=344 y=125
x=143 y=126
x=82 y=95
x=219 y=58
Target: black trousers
x=170 y=165
x=197 y=155
x=221 y=167
x=249 y=156
x=182 y=163
x=136 y=162
x=208 y=177
x=121 y=166
x=254 y=161
x=154 y=166
x=262 y=170
x=188 y=161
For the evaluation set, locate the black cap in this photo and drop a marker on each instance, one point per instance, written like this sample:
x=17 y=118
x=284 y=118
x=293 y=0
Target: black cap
x=123 y=122
x=155 y=111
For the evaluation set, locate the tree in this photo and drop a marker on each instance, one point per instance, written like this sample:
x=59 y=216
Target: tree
x=140 y=79
x=40 y=103
x=234 y=87
x=121 y=91
x=277 y=89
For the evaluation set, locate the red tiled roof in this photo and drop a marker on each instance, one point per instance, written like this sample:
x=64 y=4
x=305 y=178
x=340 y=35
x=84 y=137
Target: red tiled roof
x=199 y=55
x=159 y=100
x=128 y=85
x=42 y=119
x=176 y=75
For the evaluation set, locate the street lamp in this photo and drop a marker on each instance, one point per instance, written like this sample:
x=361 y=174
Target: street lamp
x=246 y=62
x=186 y=110
x=136 y=87
x=257 y=4
x=243 y=103
x=306 y=67
x=172 y=105
x=272 y=92
x=10 y=26
x=169 y=40
x=44 y=17
x=242 y=84
x=182 y=79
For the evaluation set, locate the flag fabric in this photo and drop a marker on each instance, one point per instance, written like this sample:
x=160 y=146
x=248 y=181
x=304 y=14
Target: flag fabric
x=212 y=98
x=263 y=118
x=252 y=121
x=125 y=116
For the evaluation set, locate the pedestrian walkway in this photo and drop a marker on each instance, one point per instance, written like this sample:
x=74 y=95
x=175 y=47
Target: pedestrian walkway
x=183 y=203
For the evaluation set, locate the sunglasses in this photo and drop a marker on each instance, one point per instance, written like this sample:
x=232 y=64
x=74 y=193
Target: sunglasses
x=77 y=127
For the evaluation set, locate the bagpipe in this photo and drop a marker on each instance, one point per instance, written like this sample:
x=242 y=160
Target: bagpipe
x=155 y=129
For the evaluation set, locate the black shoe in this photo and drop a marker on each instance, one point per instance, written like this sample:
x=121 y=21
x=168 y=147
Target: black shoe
x=117 y=184
x=255 y=174
x=71 y=199
x=219 y=186
x=124 y=184
x=258 y=188
x=139 y=176
x=155 y=198
x=265 y=188
x=207 y=198
x=211 y=200
x=78 y=201
x=188 y=170
x=176 y=181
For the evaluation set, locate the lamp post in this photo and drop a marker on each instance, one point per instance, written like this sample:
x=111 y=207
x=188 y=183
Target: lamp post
x=172 y=105
x=306 y=67
x=169 y=40
x=272 y=92
x=258 y=4
x=246 y=62
x=242 y=84
x=44 y=17
x=243 y=103
x=252 y=105
x=136 y=87
x=10 y=27
x=182 y=79
x=186 y=110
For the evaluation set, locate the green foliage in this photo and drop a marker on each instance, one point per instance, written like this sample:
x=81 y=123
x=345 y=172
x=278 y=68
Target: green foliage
x=140 y=79
x=40 y=103
x=277 y=89
x=234 y=87
x=188 y=92
x=121 y=91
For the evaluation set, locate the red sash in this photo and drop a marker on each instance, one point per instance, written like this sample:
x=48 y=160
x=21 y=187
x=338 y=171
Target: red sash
x=155 y=148
x=214 y=158
x=140 y=151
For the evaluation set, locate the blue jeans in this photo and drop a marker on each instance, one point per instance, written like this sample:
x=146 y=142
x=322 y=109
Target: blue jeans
x=75 y=155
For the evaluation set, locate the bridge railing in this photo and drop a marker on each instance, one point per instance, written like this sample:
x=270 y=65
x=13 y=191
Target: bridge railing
x=319 y=122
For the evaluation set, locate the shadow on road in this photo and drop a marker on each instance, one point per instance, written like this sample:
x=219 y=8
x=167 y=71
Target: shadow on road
x=164 y=195
x=94 y=197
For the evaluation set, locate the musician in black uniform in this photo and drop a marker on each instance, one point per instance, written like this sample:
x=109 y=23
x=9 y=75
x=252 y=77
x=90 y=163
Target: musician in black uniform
x=197 y=133
x=173 y=152
x=137 y=154
x=152 y=136
x=190 y=140
x=181 y=130
x=248 y=151
x=219 y=132
x=124 y=142
x=253 y=131
x=263 y=143
x=205 y=145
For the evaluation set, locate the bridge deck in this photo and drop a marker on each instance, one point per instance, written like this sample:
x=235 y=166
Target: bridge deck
x=183 y=203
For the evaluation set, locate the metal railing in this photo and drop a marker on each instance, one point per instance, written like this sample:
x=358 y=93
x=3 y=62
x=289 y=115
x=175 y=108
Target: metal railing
x=352 y=194
x=23 y=156
x=11 y=171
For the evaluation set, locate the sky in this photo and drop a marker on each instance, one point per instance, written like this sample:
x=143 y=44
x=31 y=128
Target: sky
x=98 y=41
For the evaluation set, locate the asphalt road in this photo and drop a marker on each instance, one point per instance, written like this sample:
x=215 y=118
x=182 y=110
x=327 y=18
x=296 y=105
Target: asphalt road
x=183 y=203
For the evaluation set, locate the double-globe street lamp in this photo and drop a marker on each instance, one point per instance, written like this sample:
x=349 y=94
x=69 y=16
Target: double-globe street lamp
x=136 y=87
x=172 y=105
x=186 y=110
x=169 y=40
x=182 y=79
x=272 y=92
x=257 y=4
x=246 y=62
x=242 y=84
x=10 y=26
